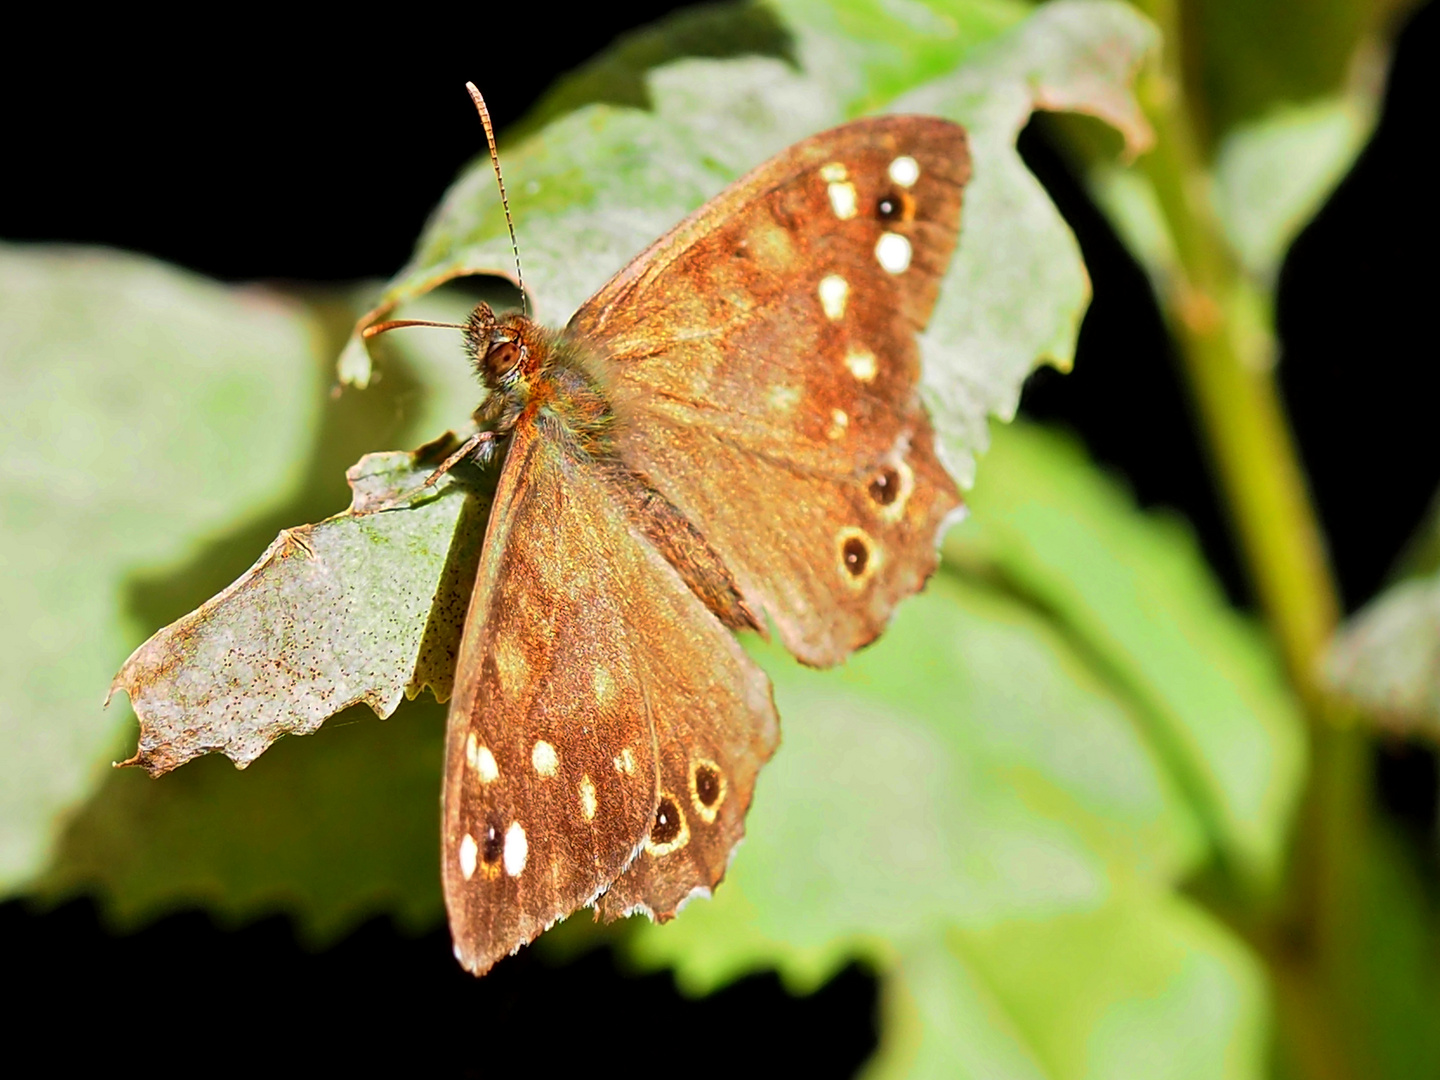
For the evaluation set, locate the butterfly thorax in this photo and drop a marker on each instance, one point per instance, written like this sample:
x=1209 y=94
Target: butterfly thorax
x=534 y=374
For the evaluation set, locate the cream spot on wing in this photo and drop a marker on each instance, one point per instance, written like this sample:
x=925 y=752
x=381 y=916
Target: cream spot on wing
x=905 y=171
x=517 y=849
x=485 y=766
x=784 y=398
x=833 y=172
x=587 y=798
x=604 y=686
x=511 y=665
x=625 y=762
x=839 y=421
x=842 y=199
x=893 y=251
x=472 y=747
x=468 y=851
x=544 y=758
x=861 y=363
x=834 y=290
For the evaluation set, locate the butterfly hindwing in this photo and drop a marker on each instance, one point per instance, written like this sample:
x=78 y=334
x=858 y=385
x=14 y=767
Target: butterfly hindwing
x=764 y=362
x=581 y=643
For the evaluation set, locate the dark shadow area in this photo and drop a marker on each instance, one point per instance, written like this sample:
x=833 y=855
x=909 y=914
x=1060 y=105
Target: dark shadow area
x=186 y=997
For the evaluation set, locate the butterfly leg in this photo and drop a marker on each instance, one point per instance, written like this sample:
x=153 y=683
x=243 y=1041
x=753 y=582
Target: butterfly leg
x=480 y=447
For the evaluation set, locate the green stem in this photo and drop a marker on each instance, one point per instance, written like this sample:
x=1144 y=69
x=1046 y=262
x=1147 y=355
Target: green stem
x=1259 y=472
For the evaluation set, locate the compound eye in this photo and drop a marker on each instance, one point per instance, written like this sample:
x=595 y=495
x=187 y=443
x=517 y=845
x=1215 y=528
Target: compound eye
x=501 y=359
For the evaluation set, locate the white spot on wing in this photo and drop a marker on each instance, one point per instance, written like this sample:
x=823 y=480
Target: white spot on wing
x=604 y=686
x=905 y=171
x=587 y=798
x=842 y=199
x=834 y=290
x=517 y=849
x=893 y=251
x=833 y=172
x=544 y=758
x=468 y=850
x=784 y=398
x=625 y=762
x=839 y=421
x=861 y=363
x=483 y=763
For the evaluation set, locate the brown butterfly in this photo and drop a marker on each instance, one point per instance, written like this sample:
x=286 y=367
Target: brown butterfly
x=729 y=432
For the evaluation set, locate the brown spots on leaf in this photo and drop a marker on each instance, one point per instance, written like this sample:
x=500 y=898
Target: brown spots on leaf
x=707 y=788
x=670 y=831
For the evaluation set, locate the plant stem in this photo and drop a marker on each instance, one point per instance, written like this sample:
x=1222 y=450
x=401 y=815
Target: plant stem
x=1258 y=468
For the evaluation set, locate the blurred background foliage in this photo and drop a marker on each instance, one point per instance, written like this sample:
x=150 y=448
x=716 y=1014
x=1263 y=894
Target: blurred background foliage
x=1102 y=801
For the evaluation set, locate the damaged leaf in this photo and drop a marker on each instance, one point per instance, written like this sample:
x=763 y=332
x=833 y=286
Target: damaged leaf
x=365 y=606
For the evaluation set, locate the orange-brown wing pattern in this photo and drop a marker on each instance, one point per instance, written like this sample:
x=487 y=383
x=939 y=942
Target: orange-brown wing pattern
x=762 y=359
x=581 y=645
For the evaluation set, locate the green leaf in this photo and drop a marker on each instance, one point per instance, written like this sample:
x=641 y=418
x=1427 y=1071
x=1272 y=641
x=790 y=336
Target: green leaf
x=1146 y=985
x=328 y=830
x=364 y=606
x=592 y=189
x=1245 y=58
x=1017 y=289
x=1134 y=591
x=1386 y=658
x=967 y=768
x=133 y=391
x=1273 y=174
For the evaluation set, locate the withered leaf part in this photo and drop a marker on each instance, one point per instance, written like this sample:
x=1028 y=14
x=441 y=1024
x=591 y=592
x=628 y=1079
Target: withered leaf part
x=327 y=617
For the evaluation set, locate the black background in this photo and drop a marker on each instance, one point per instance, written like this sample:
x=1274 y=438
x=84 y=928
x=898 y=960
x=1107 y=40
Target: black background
x=271 y=150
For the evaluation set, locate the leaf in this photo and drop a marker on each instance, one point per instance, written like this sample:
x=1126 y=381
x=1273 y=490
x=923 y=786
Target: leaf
x=1017 y=289
x=965 y=769
x=329 y=831
x=360 y=607
x=1386 y=658
x=1134 y=591
x=1272 y=175
x=133 y=391
x=593 y=188
x=1142 y=986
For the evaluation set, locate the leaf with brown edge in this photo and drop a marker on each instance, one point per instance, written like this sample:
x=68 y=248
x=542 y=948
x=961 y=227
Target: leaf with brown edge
x=321 y=621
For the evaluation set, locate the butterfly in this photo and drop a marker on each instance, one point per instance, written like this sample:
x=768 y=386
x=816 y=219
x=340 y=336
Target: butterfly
x=727 y=436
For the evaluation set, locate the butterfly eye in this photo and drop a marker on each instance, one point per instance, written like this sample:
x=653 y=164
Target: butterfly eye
x=885 y=488
x=896 y=206
x=501 y=362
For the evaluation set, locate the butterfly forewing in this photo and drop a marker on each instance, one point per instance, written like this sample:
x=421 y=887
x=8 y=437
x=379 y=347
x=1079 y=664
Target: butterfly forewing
x=582 y=643
x=762 y=358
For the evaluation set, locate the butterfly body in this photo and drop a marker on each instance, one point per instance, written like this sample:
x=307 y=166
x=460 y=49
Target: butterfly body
x=727 y=436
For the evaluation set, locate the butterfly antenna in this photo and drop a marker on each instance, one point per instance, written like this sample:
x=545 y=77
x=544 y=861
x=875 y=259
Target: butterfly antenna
x=476 y=97
x=395 y=324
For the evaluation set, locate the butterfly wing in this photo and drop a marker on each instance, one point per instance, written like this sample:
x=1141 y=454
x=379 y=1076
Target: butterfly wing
x=581 y=640
x=763 y=360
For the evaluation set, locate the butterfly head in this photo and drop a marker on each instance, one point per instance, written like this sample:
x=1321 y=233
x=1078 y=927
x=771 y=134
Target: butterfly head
x=505 y=352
